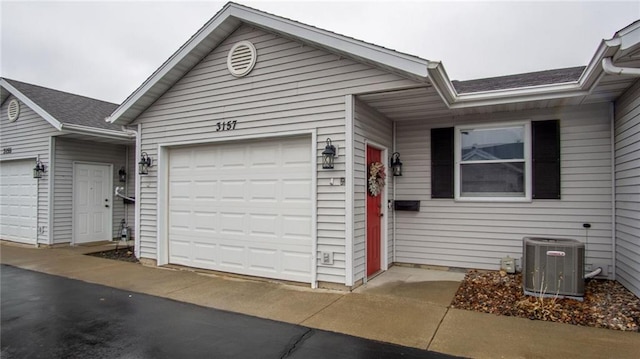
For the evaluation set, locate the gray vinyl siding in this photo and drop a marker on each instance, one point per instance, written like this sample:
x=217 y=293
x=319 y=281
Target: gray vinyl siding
x=66 y=153
x=476 y=235
x=28 y=137
x=369 y=125
x=627 y=164
x=293 y=87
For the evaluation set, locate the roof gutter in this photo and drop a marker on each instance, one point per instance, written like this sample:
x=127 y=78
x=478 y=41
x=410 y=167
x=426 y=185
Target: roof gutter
x=98 y=132
x=611 y=69
x=585 y=84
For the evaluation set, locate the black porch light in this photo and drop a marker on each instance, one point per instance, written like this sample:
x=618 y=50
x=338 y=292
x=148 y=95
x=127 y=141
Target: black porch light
x=396 y=165
x=122 y=174
x=328 y=155
x=144 y=164
x=38 y=170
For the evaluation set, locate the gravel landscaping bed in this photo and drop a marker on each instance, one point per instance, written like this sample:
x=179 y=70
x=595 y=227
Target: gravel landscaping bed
x=122 y=254
x=607 y=304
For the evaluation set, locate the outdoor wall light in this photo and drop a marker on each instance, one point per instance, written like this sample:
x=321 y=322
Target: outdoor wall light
x=38 y=170
x=396 y=165
x=328 y=155
x=122 y=174
x=144 y=164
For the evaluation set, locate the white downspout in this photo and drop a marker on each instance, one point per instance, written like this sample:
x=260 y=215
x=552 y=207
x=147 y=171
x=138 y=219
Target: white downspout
x=613 y=191
x=611 y=69
x=136 y=242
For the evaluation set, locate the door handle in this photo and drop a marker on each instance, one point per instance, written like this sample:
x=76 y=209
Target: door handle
x=106 y=205
x=381 y=214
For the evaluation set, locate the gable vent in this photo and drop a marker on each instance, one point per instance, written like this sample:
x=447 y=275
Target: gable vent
x=13 y=110
x=241 y=59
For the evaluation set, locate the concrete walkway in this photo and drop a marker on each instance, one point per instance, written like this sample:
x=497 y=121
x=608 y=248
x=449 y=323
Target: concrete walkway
x=403 y=306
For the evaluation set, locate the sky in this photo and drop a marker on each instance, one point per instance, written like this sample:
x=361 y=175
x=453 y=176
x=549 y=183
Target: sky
x=106 y=49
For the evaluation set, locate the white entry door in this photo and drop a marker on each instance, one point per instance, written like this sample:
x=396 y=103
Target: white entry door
x=92 y=203
x=18 y=201
x=243 y=207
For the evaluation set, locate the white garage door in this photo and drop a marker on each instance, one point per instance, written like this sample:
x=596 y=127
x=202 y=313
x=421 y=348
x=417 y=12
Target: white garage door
x=243 y=207
x=18 y=196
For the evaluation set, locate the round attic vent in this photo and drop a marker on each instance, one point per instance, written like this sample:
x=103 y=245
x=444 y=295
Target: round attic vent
x=13 y=110
x=242 y=58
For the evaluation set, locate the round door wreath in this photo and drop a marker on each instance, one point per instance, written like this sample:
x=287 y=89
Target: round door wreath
x=377 y=176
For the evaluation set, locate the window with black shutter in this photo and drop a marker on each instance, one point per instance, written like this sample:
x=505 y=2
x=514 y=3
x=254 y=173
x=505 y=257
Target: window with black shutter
x=442 y=162
x=502 y=161
x=546 y=159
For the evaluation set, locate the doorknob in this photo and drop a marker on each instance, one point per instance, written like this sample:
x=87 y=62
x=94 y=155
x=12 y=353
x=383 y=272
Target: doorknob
x=106 y=205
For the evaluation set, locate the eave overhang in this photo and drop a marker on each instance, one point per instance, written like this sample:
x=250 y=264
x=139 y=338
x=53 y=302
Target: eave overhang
x=228 y=20
x=27 y=101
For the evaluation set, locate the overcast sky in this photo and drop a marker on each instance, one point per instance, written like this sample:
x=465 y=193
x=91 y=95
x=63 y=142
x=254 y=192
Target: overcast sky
x=107 y=49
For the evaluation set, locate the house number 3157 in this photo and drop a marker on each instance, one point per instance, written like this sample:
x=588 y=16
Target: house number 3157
x=226 y=126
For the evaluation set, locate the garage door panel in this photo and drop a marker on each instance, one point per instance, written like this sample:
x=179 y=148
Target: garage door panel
x=248 y=213
x=18 y=201
x=205 y=253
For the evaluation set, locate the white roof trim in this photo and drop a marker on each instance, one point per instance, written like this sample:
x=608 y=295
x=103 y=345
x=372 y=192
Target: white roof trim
x=412 y=65
x=403 y=62
x=94 y=131
x=27 y=101
x=583 y=87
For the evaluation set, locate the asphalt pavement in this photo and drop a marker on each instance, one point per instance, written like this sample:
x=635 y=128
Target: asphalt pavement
x=46 y=316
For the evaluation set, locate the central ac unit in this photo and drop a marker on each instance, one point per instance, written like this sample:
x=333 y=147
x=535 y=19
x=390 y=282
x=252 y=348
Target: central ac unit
x=553 y=267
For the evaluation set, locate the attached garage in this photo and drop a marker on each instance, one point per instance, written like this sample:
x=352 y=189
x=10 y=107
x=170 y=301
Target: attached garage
x=243 y=207
x=18 y=201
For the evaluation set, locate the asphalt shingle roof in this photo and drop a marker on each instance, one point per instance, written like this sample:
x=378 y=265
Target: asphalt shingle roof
x=548 y=77
x=69 y=108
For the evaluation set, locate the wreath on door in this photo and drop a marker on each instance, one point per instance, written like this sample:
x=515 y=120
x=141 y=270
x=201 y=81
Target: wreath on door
x=377 y=177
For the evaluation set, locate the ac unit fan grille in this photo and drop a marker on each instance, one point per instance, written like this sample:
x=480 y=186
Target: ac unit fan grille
x=553 y=266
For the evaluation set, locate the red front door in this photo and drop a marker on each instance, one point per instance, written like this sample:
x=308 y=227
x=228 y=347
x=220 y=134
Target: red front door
x=374 y=216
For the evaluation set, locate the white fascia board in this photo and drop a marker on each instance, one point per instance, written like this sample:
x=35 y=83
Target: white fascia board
x=583 y=87
x=630 y=35
x=27 y=101
x=94 y=131
x=406 y=63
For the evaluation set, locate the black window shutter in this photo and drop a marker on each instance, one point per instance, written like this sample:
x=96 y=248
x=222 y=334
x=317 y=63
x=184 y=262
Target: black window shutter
x=442 y=162
x=546 y=159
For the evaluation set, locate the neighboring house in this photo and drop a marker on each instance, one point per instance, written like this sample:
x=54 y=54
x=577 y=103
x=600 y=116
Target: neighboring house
x=81 y=155
x=237 y=120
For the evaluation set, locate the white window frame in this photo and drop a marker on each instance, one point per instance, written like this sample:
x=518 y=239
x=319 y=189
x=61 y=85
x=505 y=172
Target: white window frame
x=527 y=162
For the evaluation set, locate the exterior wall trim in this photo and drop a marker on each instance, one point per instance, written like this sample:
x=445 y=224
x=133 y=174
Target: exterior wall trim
x=349 y=189
x=52 y=169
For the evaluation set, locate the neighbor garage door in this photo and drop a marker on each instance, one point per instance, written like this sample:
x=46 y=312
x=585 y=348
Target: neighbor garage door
x=243 y=207
x=18 y=196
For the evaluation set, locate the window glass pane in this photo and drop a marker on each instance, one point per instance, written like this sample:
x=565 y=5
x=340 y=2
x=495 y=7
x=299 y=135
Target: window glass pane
x=492 y=144
x=492 y=179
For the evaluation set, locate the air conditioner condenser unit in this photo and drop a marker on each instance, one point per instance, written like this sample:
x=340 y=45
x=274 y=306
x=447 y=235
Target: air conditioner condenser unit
x=553 y=267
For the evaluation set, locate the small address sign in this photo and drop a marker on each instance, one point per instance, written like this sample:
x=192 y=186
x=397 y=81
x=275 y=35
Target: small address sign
x=226 y=126
x=6 y=150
